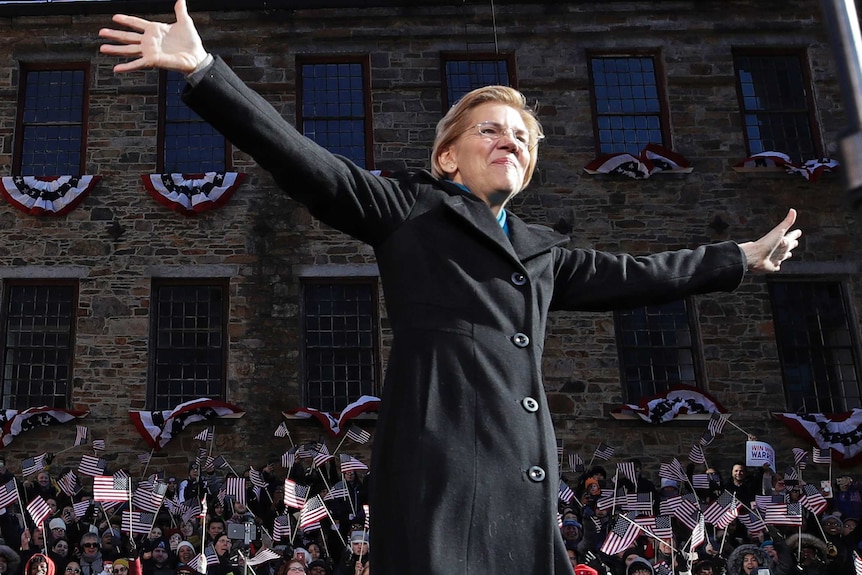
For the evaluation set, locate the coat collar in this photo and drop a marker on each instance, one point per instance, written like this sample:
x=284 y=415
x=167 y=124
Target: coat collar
x=525 y=241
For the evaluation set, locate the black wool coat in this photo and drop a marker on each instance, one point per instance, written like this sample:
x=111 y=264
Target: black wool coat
x=464 y=462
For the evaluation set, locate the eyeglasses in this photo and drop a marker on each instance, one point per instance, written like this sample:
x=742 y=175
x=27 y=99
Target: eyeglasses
x=296 y=570
x=72 y=570
x=90 y=545
x=119 y=570
x=493 y=131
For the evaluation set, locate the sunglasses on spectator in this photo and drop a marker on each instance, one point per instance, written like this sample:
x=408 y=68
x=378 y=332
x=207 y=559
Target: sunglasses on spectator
x=120 y=569
x=72 y=570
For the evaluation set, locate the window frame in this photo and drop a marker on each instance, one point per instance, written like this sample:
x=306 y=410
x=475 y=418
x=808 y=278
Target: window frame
x=7 y=287
x=162 y=132
x=446 y=57
x=377 y=372
x=23 y=70
x=661 y=87
x=852 y=325
x=364 y=61
x=696 y=347
x=805 y=67
x=209 y=282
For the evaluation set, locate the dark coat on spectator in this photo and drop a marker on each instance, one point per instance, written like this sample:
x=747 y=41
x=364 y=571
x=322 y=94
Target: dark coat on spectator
x=464 y=460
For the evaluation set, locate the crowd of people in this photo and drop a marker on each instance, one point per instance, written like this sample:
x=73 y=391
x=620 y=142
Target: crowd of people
x=752 y=522
x=198 y=526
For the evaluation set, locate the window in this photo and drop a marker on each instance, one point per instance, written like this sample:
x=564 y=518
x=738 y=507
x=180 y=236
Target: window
x=657 y=349
x=340 y=342
x=39 y=325
x=776 y=105
x=465 y=72
x=188 y=144
x=188 y=334
x=51 y=131
x=628 y=102
x=817 y=345
x=334 y=106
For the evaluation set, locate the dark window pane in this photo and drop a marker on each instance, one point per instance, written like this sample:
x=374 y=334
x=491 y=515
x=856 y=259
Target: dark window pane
x=53 y=118
x=656 y=349
x=188 y=326
x=340 y=335
x=38 y=345
x=626 y=92
x=816 y=346
x=463 y=76
x=775 y=105
x=191 y=145
x=333 y=108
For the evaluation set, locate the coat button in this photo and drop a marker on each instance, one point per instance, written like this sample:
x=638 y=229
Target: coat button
x=519 y=279
x=530 y=404
x=521 y=340
x=536 y=473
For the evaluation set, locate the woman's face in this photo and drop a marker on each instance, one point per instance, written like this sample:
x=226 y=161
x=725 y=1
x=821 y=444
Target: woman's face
x=155 y=533
x=222 y=544
x=315 y=551
x=491 y=169
x=3 y=564
x=185 y=554
x=749 y=563
x=73 y=568
x=61 y=548
x=38 y=567
x=187 y=528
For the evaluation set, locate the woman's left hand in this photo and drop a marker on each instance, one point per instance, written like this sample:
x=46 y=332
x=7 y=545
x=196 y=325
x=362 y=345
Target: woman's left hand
x=766 y=254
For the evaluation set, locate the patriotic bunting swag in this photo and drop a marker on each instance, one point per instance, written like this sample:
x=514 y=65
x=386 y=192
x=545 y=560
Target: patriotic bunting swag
x=679 y=400
x=16 y=422
x=653 y=158
x=52 y=196
x=841 y=432
x=335 y=426
x=159 y=427
x=811 y=170
x=190 y=195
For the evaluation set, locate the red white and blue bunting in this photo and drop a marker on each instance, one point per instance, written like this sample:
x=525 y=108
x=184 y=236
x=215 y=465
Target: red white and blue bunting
x=335 y=425
x=811 y=170
x=191 y=194
x=840 y=432
x=679 y=400
x=652 y=159
x=46 y=195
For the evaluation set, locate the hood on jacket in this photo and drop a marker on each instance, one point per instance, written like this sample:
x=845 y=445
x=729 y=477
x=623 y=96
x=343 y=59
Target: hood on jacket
x=639 y=563
x=734 y=562
x=39 y=558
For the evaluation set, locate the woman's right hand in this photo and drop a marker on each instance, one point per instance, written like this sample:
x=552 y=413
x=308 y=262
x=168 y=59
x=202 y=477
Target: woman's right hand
x=174 y=46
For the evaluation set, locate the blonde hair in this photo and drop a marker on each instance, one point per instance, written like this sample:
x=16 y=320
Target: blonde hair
x=457 y=121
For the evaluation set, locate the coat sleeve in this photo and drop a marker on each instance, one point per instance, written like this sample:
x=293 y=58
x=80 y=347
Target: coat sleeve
x=589 y=280
x=335 y=190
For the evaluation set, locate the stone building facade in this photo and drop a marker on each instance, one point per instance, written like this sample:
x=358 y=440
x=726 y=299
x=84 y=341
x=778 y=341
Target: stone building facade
x=119 y=245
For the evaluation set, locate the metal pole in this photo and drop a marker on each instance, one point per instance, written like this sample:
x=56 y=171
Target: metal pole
x=843 y=26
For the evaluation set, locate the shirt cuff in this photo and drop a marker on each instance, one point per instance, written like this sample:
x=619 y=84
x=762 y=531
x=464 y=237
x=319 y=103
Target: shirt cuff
x=198 y=73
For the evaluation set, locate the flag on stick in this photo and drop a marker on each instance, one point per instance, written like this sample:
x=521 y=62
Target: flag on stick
x=358 y=435
x=312 y=512
x=621 y=536
x=604 y=451
x=295 y=495
x=81 y=435
x=110 y=488
x=38 y=510
x=8 y=494
x=33 y=465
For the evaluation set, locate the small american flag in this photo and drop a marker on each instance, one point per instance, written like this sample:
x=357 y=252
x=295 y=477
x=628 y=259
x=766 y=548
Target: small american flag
x=313 y=511
x=752 y=521
x=92 y=466
x=700 y=481
x=81 y=435
x=566 y=493
x=219 y=462
x=205 y=435
x=235 y=487
x=559 y=448
x=295 y=495
x=80 y=508
x=144 y=458
x=110 y=488
x=149 y=499
x=281 y=430
x=38 y=510
x=68 y=483
x=350 y=463
x=367 y=512
x=698 y=534
x=791 y=474
x=696 y=454
x=716 y=423
x=857 y=563
x=800 y=457
x=288 y=458
x=307 y=450
x=621 y=536
x=763 y=501
x=784 y=514
x=338 y=491
x=641 y=502
x=627 y=470
x=33 y=465
x=193 y=509
x=139 y=522
x=263 y=556
x=322 y=456
x=707 y=438
x=357 y=434
x=812 y=499
x=8 y=494
x=576 y=463
x=256 y=477
x=821 y=455
x=604 y=451
x=723 y=509
x=98 y=445
x=658 y=526
x=281 y=528
x=673 y=470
